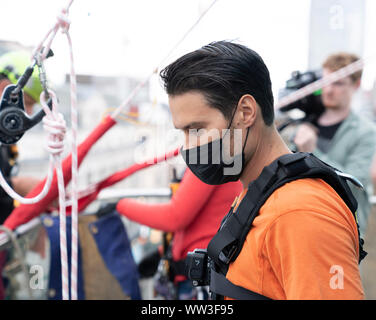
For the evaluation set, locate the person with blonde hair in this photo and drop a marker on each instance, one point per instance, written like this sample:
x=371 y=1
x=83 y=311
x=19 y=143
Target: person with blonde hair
x=341 y=137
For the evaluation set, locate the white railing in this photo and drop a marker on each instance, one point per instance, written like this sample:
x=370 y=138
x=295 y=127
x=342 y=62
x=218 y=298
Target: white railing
x=105 y=195
x=112 y=193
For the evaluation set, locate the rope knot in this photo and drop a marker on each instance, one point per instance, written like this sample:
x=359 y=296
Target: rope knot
x=54 y=124
x=63 y=21
x=56 y=129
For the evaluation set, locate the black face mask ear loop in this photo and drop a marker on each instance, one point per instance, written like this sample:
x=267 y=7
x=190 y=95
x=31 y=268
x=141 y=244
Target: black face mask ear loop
x=246 y=138
x=232 y=118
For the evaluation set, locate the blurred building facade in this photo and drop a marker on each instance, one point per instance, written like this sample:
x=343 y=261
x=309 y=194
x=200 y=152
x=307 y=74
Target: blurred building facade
x=335 y=25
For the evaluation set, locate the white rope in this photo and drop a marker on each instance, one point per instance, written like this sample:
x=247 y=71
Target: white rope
x=325 y=81
x=56 y=124
x=137 y=89
x=53 y=123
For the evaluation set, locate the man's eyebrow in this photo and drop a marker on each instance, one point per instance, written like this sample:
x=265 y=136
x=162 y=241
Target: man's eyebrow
x=195 y=124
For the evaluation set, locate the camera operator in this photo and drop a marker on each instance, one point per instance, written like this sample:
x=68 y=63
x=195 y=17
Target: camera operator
x=340 y=137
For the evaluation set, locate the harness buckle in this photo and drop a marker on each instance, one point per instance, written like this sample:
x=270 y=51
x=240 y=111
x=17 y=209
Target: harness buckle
x=226 y=259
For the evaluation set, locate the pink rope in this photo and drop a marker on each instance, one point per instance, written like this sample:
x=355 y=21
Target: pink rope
x=8 y=189
x=54 y=124
x=319 y=84
x=74 y=124
x=63 y=23
x=137 y=89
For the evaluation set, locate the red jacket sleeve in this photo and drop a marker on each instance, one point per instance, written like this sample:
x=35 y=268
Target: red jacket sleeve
x=190 y=197
x=26 y=212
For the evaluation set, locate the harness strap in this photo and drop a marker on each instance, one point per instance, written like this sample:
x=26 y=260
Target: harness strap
x=228 y=242
x=232 y=227
x=221 y=286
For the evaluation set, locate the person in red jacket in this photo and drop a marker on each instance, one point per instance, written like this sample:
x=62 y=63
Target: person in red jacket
x=193 y=214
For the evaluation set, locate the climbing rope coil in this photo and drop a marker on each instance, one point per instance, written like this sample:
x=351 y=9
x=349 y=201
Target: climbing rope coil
x=55 y=127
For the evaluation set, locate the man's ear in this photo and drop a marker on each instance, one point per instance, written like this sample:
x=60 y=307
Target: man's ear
x=247 y=111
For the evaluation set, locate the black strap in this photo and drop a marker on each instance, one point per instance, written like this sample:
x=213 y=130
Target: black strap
x=221 y=286
x=228 y=242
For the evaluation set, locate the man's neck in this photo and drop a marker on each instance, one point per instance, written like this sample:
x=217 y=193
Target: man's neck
x=269 y=148
x=334 y=116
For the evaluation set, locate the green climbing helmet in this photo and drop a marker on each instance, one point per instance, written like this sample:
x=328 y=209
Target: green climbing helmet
x=13 y=64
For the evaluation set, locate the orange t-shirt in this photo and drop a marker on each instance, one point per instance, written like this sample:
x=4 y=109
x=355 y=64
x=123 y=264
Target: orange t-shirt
x=302 y=245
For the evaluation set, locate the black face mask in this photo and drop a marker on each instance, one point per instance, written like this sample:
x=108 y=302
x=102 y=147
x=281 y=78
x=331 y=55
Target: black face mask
x=213 y=169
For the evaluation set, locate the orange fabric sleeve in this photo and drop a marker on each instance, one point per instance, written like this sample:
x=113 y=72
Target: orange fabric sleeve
x=190 y=197
x=313 y=256
x=302 y=245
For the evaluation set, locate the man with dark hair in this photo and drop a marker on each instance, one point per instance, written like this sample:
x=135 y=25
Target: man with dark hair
x=304 y=230
x=340 y=137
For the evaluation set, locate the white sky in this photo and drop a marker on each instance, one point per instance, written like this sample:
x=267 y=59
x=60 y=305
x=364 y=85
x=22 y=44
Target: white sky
x=130 y=37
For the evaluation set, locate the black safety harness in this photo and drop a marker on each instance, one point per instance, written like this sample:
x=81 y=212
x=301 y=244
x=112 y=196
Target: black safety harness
x=226 y=245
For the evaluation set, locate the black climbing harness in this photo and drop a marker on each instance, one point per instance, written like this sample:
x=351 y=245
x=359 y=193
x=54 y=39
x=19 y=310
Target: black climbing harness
x=226 y=245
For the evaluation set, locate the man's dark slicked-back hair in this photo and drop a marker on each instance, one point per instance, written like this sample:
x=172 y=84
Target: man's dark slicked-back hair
x=223 y=72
